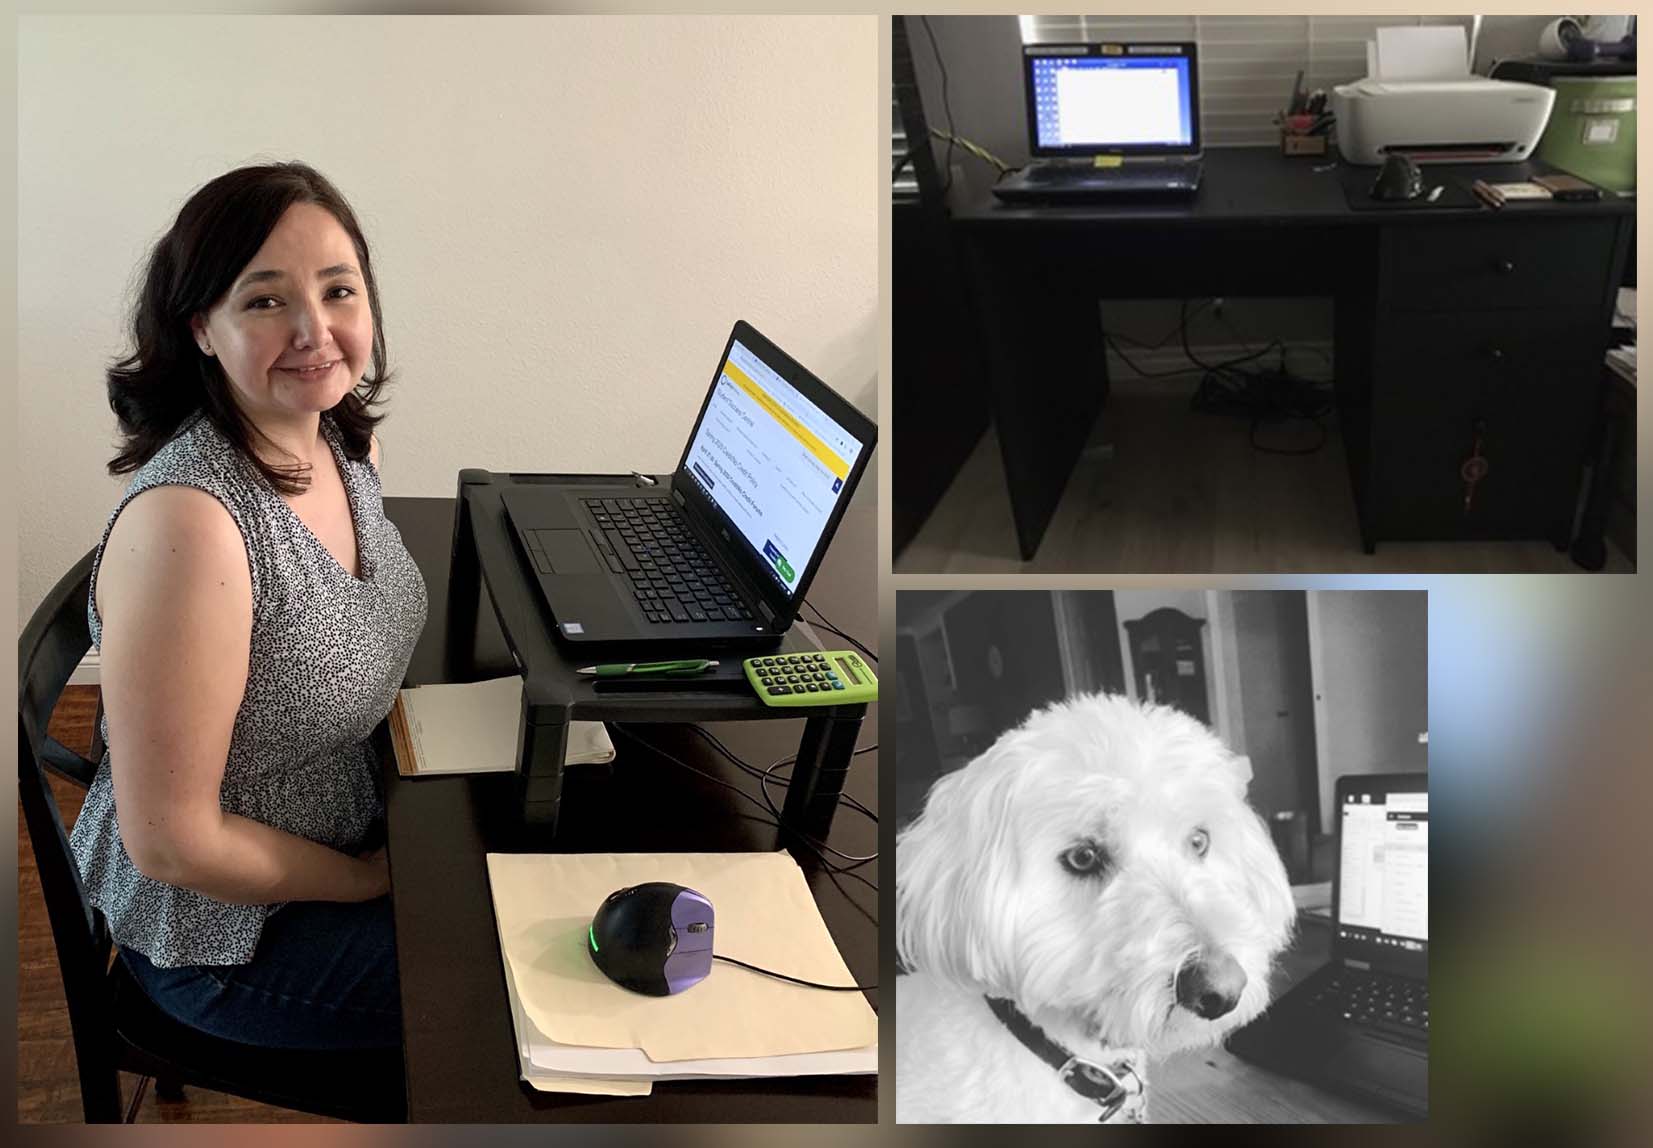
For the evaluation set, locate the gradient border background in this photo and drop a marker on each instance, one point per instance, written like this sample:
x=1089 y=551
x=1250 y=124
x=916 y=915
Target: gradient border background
x=1542 y=739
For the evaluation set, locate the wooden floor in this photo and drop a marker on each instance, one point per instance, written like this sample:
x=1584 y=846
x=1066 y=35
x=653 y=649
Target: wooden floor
x=48 y=1089
x=1185 y=493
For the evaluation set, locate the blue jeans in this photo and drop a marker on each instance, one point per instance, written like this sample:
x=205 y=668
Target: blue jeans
x=323 y=977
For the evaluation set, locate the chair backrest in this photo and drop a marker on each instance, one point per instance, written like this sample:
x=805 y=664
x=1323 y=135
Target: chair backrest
x=52 y=645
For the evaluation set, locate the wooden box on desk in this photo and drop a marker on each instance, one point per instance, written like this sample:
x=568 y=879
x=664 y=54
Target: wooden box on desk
x=1294 y=144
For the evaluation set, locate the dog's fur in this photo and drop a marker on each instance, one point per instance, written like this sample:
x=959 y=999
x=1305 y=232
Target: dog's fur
x=984 y=906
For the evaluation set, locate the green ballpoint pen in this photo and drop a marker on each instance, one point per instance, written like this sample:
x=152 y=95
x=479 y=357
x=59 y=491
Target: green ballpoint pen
x=682 y=668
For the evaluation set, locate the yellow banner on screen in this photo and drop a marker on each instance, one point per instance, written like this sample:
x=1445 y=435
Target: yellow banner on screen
x=803 y=434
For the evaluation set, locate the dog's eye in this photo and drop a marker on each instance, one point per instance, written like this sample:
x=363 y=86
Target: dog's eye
x=1199 y=841
x=1083 y=859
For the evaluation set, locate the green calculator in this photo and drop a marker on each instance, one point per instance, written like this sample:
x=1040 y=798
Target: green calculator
x=828 y=678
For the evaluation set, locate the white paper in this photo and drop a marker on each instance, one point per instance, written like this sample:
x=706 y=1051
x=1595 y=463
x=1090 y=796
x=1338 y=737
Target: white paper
x=472 y=728
x=1372 y=59
x=1434 y=53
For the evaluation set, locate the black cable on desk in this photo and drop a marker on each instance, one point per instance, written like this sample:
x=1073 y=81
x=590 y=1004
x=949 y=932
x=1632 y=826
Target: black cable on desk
x=764 y=776
x=1267 y=397
x=812 y=844
x=651 y=747
x=795 y=980
x=826 y=624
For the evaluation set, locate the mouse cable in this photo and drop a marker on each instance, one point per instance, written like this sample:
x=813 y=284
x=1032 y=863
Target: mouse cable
x=735 y=789
x=826 y=624
x=765 y=776
x=652 y=748
x=763 y=785
x=747 y=767
x=796 y=980
x=804 y=839
x=813 y=844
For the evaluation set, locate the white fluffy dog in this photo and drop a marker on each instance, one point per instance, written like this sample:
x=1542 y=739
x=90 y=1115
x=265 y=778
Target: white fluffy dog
x=1094 y=886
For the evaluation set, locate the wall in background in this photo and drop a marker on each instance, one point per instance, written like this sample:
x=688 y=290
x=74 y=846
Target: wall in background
x=1370 y=655
x=561 y=250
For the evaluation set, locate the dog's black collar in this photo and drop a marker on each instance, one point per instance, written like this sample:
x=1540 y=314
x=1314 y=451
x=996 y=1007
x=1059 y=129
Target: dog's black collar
x=1108 y=1087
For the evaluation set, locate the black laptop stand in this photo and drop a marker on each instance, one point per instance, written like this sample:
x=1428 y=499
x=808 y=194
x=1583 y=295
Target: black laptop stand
x=484 y=558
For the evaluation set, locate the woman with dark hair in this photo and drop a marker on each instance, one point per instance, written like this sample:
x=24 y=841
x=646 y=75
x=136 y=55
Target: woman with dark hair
x=254 y=613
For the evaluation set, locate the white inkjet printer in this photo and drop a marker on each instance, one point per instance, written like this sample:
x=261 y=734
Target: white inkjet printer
x=1468 y=120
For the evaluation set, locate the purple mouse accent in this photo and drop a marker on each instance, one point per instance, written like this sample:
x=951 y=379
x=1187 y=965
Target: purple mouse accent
x=690 y=960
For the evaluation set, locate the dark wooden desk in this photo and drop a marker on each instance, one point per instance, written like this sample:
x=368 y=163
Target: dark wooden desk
x=1455 y=325
x=462 y=1064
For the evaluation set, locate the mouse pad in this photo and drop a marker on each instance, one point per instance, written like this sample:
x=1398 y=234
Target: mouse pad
x=1357 y=189
x=765 y=915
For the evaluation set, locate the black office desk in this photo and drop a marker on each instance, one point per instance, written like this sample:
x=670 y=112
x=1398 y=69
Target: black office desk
x=457 y=1032
x=1451 y=323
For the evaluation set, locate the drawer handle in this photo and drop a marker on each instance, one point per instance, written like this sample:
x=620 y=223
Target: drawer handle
x=1505 y=266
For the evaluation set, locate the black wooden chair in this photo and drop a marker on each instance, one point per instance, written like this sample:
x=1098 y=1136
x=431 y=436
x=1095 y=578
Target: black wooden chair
x=116 y=1027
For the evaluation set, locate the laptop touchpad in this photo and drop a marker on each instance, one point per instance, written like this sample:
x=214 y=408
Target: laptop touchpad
x=570 y=552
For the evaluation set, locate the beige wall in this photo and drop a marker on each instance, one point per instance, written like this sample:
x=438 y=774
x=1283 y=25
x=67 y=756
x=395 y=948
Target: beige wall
x=567 y=215
x=1369 y=651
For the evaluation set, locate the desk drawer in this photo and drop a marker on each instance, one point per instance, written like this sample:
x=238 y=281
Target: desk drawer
x=1508 y=263
x=1523 y=383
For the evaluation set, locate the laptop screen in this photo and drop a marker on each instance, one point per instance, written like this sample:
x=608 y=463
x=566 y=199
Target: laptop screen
x=1383 y=886
x=1127 y=99
x=770 y=460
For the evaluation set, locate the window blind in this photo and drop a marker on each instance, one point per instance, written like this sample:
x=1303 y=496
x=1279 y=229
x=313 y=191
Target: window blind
x=1247 y=63
x=906 y=180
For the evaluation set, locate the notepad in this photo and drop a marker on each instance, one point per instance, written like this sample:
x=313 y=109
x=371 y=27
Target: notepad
x=472 y=728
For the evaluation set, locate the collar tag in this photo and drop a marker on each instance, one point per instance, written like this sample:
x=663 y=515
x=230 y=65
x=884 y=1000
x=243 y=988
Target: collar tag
x=1105 y=1087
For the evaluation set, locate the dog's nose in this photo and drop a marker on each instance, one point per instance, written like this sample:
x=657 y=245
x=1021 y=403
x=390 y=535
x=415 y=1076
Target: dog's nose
x=1210 y=986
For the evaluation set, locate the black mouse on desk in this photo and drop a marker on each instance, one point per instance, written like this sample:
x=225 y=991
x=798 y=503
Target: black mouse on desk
x=1399 y=179
x=654 y=938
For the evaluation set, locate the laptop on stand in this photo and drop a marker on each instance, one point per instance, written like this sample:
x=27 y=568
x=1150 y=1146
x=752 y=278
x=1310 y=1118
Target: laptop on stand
x=722 y=556
x=1361 y=1023
x=1109 y=121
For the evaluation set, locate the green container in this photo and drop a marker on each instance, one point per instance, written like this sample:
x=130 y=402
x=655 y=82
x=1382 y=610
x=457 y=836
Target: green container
x=1592 y=130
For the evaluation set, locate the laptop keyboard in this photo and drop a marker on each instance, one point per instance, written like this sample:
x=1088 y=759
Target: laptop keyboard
x=1376 y=999
x=671 y=575
x=1110 y=179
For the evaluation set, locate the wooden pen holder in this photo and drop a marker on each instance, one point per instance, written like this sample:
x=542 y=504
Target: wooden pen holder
x=1291 y=144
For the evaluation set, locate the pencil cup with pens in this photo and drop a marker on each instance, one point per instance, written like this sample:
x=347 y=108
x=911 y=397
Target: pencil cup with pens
x=1306 y=124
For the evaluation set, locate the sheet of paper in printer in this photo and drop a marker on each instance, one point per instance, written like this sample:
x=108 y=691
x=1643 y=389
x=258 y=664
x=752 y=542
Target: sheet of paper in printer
x=1431 y=53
